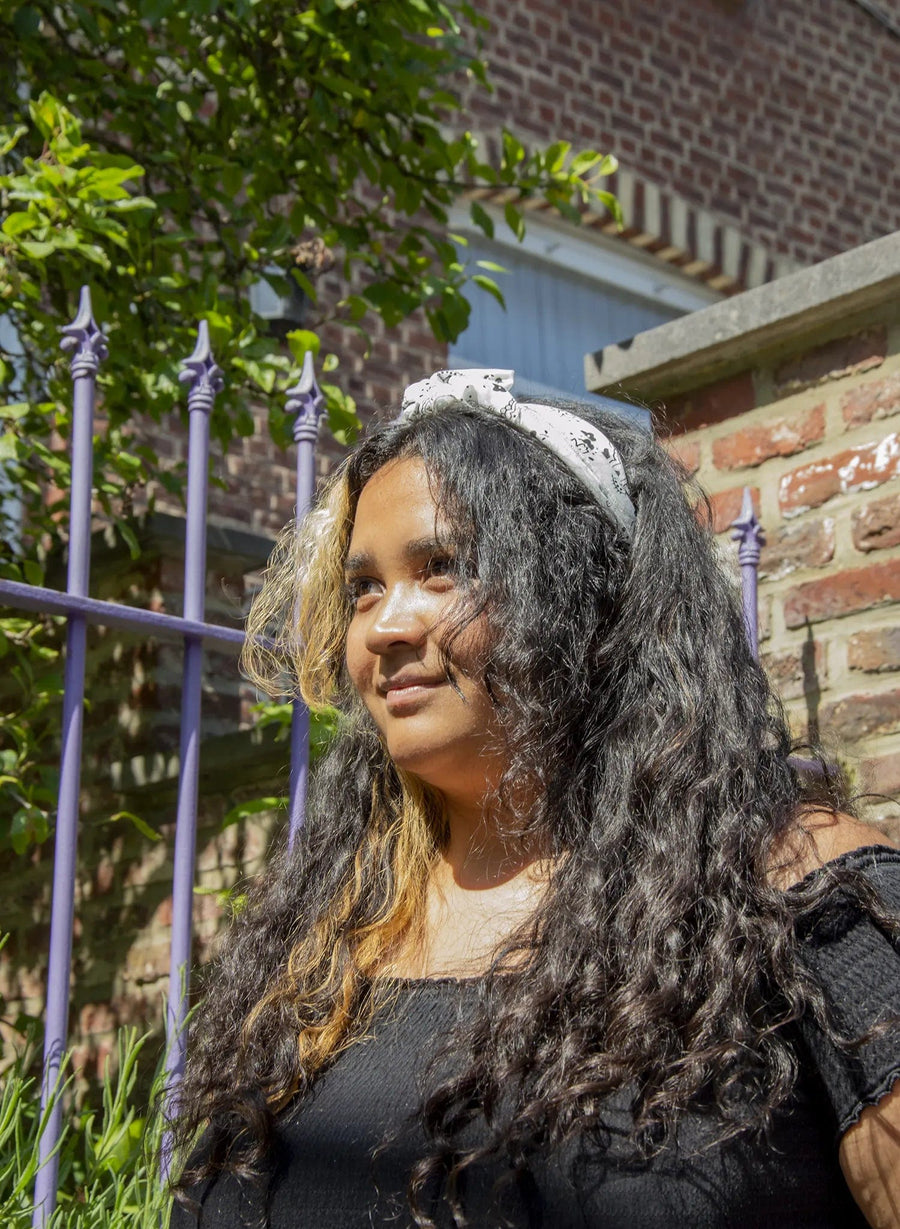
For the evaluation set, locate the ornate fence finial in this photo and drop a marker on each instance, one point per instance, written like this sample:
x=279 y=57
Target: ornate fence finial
x=202 y=373
x=306 y=403
x=83 y=336
x=749 y=532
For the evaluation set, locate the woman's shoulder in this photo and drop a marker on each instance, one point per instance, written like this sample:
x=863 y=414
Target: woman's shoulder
x=818 y=837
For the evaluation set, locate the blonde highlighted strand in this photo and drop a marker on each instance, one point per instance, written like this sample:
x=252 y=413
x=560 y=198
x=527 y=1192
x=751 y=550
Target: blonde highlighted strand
x=333 y=982
x=298 y=621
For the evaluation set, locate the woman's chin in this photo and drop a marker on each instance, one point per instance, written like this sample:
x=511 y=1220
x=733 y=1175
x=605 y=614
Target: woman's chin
x=419 y=762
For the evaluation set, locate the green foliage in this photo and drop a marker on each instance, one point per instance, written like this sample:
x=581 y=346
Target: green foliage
x=108 y=1160
x=31 y=693
x=172 y=155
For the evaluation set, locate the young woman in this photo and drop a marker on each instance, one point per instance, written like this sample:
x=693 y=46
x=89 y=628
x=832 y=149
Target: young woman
x=561 y=943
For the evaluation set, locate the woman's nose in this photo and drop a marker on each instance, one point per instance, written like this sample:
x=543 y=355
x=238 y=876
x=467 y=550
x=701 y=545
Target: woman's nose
x=398 y=619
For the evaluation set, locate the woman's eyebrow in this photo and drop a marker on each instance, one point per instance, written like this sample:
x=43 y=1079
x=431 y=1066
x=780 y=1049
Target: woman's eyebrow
x=416 y=548
x=360 y=561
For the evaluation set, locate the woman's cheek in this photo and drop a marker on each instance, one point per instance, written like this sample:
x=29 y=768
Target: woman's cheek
x=356 y=658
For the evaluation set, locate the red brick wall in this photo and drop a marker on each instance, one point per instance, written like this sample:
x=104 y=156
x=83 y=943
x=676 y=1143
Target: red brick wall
x=781 y=117
x=817 y=439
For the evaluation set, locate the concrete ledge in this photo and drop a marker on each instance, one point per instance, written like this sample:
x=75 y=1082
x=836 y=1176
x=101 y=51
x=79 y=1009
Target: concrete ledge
x=728 y=336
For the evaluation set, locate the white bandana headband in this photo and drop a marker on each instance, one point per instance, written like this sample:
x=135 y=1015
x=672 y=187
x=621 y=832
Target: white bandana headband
x=584 y=449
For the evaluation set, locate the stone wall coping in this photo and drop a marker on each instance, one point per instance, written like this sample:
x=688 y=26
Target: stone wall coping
x=728 y=337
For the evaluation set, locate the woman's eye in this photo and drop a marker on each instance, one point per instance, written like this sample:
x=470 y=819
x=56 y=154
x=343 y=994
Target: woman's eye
x=441 y=565
x=359 y=588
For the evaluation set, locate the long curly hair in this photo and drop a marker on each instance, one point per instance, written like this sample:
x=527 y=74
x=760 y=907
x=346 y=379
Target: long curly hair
x=656 y=763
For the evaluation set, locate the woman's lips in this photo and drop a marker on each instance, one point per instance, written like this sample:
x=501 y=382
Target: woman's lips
x=408 y=696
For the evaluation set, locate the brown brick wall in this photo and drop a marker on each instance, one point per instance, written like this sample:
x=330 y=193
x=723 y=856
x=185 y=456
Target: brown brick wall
x=818 y=446
x=782 y=118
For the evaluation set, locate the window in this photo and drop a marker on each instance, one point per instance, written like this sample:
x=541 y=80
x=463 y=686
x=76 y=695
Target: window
x=566 y=295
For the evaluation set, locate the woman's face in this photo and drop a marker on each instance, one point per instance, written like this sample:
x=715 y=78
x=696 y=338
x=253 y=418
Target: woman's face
x=403 y=588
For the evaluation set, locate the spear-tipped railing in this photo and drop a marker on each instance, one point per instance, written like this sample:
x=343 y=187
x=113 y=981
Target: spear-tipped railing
x=748 y=532
x=204 y=379
x=306 y=404
x=88 y=346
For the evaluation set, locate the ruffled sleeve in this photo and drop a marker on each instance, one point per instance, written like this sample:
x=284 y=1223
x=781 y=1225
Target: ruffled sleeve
x=857 y=963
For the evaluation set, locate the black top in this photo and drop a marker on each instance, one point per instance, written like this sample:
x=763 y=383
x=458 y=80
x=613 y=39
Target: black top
x=343 y=1159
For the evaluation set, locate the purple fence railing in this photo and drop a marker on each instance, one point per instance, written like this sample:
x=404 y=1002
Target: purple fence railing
x=205 y=380
x=89 y=349
x=748 y=532
x=305 y=403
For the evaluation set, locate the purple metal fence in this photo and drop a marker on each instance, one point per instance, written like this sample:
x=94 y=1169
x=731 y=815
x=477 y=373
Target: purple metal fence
x=204 y=379
x=749 y=534
x=305 y=403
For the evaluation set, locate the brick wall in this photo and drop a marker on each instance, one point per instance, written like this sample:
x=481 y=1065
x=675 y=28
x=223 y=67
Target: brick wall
x=782 y=116
x=816 y=436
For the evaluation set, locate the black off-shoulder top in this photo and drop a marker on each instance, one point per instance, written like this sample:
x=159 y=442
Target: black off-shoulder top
x=343 y=1159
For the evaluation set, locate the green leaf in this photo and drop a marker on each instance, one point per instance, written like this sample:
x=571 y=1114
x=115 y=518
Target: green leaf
x=555 y=156
x=256 y=806
x=490 y=286
x=305 y=284
x=482 y=219
x=514 y=220
x=18 y=222
x=14 y=410
x=184 y=110
x=27 y=21
x=38 y=250
x=136 y=822
x=585 y=161
x=263 y=375
x=612 y=204
x=10 y=138
x=343 y=420
x=301 y=341
x=128 y=536
x=513 y=150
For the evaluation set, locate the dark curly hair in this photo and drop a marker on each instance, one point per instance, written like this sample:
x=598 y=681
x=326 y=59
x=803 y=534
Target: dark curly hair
x=656 y=761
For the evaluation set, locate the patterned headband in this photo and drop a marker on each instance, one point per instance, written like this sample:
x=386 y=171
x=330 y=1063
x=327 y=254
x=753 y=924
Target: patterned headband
x=584 y=449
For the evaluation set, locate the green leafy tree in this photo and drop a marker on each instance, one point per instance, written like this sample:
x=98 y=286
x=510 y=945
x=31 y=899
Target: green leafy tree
x=174 y=154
